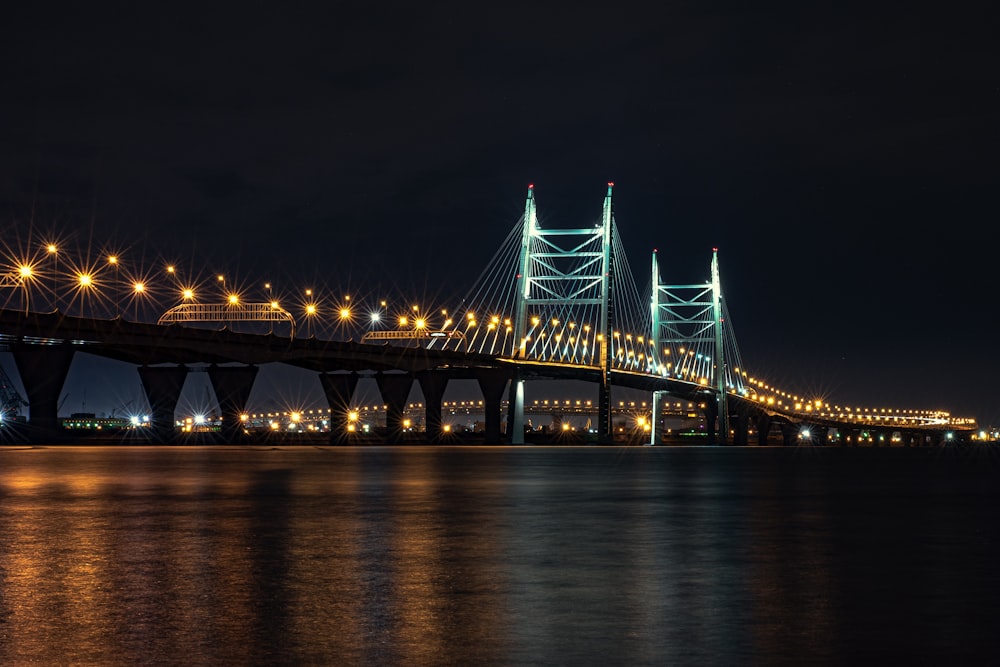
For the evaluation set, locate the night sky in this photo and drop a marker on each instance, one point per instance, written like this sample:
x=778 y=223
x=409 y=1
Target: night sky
x=843 y=158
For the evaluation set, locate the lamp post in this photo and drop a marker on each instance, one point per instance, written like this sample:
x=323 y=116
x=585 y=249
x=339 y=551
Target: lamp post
x=113 y=261
x=138 y=289
x=310 y=313
x=26 y=273
x=346 y=315
x=274 y=305
x=233 y=299
x=85 y=282
x=53 y=251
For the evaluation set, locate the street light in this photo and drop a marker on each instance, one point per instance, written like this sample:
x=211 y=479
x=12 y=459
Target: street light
x=310 y=313
x=274 y=306
x=233 y=299
x=85 y=282
x=53 y=251
x=138 y=289
x=113 y=261
x=26 y=273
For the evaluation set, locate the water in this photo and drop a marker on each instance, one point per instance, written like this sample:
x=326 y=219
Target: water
x=498 y=556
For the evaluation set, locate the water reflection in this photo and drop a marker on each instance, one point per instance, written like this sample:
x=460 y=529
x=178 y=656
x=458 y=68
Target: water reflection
x=431 y=556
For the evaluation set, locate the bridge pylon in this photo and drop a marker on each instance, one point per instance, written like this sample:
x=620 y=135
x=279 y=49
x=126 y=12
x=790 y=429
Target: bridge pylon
x=565 y=282
x=720 y=360
x=688 y=337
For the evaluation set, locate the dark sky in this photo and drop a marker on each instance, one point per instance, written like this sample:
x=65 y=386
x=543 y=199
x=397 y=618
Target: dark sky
x=842 y=157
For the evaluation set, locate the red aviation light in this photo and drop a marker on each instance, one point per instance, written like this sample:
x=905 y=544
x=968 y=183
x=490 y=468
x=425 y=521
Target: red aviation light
x=531 y=186
x=715 y=250
x=611 y=184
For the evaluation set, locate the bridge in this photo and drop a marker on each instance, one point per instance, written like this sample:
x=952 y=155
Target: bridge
x=550 y=304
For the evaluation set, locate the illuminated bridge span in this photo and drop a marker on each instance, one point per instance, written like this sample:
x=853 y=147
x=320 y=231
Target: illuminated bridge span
x=551 y=303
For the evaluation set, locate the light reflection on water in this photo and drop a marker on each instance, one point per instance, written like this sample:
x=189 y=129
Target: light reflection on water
x=496 y=555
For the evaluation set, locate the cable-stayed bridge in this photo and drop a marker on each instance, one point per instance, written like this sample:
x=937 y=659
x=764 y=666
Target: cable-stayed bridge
x=551 y=303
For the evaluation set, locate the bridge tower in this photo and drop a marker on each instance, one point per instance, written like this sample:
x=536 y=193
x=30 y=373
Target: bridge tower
x=689 y=319
x=720 y=359
x=569 y=281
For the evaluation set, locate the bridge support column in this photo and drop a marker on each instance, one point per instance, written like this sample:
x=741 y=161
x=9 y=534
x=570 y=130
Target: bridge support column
x=515 y=410
x=763 y=429
x=232 y=386
x=395 y=389
x=339 y=390
x=711 y=421
x=162 y=385
x=654 y=418
x=43 y=370
x=605 y=424
x=433 y=384
x=492 y=383
x=789 y=435
x=741 y=428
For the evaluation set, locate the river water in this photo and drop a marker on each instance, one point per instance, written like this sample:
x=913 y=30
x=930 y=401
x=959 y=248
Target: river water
x=402 y=555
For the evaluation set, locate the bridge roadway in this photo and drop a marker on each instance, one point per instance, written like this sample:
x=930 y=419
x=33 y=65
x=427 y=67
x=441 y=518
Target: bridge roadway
x=43 y=345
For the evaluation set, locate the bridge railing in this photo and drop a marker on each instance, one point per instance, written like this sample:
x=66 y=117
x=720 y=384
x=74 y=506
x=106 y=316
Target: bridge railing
x=422 y=335
x=227 y=313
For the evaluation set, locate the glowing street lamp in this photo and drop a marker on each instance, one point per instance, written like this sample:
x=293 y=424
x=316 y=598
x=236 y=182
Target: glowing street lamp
x=310 y=314
x=53 y=252
x=26 y=273
x=274 y=306
x=138 y=290
x=113 y=262
x=85 y=282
